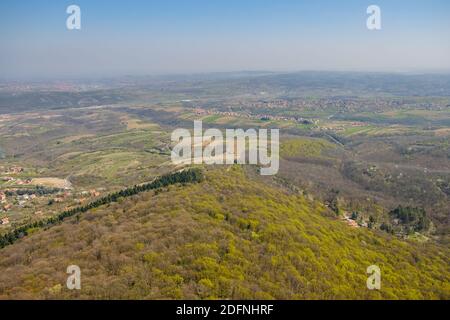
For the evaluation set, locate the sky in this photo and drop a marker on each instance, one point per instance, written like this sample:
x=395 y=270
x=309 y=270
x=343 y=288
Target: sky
x=194 y=36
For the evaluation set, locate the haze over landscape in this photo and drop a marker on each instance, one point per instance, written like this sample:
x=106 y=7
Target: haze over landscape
x=88 y=180
x=154 y=37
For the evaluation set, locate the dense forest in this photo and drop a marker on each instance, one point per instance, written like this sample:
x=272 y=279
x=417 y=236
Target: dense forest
x=185 y=176
x=408 y=219
x=229 y=237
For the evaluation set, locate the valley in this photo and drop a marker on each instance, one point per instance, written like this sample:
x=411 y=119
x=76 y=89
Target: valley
x=364 y=179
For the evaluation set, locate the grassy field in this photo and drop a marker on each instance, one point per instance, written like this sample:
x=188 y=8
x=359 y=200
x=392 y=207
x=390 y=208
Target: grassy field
x=305 y=147
x=89 y=149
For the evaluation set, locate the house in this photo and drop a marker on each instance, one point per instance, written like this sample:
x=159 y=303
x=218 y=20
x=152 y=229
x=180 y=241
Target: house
x=15 y=170
x=5 y=220
x=81 y=200
x=6 y=207
x=94 y=193
x=352 y=223
x=2 y=196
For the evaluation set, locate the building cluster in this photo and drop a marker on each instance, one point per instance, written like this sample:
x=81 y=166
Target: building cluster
x=338 y=127
x=9 y=199
x=266 y=117
x=353 y=223
x=4 y=221
x=4 y=206
x=12 y=170
x=338 y=104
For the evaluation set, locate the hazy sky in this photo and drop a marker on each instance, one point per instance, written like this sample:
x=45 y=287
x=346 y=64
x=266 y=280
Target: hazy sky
x=184 y=36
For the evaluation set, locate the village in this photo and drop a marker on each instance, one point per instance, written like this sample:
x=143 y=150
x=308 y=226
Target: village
x=14 y=170
x=264 y=117
x=313 y=123
x=22 y=197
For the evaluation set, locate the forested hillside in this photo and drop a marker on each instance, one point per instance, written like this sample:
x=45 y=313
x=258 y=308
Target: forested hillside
x=230 y=237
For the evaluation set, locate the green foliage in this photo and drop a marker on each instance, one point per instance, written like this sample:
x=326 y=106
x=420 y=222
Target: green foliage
x=186 y=176
x=270 y=245
x=303 y=147
x=411 y=218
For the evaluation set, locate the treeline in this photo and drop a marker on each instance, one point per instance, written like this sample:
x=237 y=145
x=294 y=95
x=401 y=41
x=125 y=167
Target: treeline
x=186 y=176
x=38 y=190
x=409 y=219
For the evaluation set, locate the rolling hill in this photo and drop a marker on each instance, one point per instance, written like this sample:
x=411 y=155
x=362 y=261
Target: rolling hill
x=232 y=236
